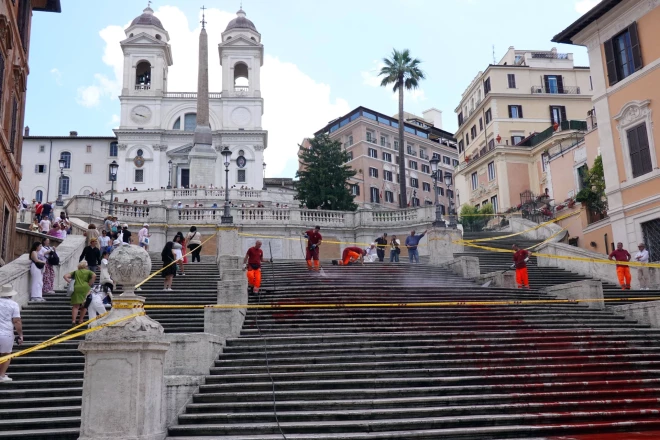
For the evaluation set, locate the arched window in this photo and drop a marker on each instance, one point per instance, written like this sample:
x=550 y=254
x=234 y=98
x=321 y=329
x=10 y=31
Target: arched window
x=39 y=195
x=190 y=121
x=177 y=124
x=64 y=185
x=241 y=79
x=114 y=149
x=67 y=159
x=143 y=75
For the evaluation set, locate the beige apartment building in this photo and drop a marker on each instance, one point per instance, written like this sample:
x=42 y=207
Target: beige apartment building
x=526 y=93
x=371 y=138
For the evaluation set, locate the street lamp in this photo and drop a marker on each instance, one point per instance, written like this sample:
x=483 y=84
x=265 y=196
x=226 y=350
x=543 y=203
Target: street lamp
x=169 y=178
x=114 y=166
x=264 y=176
x=452 y=216
x=60 y=202
x=226 y=216
x=435 y=173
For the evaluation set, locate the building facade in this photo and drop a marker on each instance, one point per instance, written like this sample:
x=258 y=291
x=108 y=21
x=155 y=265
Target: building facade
x=621 y=38
x=372 y=140
x=15 y=26
x=527 y=92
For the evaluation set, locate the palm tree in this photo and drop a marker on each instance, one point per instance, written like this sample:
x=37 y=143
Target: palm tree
x=404 y=73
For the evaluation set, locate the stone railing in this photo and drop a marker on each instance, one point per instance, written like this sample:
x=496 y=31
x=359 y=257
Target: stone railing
x=206 y=196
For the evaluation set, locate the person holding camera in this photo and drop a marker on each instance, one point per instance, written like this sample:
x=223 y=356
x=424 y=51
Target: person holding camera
x=10 y=318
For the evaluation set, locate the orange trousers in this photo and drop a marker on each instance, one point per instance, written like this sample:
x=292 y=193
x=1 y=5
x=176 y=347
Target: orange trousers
x=316 y=263
x=350 y=257
x=254 y=278
x=522 y=277
x=623 y=273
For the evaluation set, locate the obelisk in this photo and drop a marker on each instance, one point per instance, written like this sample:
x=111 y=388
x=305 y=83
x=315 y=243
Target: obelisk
x=203 y=156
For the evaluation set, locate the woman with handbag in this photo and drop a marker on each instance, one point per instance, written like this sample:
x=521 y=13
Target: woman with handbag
x=49 y=273
x=168 y=257
x=37 y=264
x=80 y=282
x=194 y=240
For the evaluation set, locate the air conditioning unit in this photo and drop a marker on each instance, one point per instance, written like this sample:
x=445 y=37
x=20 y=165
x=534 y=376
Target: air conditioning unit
x=538 y=90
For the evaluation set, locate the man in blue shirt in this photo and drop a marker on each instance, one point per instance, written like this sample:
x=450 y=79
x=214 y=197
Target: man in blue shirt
x=411 y=243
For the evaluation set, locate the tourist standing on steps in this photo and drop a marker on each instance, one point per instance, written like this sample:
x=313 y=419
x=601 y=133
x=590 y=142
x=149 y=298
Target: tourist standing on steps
x=194 y=240
x=642 y=256
x=92 y=234
x=10 y=318
x=44 y=225
x=125 y=234
x=168 y=257
x=37 y=264
x=177 y=248
x=381 y=243
x=106 y=282
x=314 y=240
x=411 y=243
x=83 y=280
x=48 y=272
x=395 y=250
x=520 y=259
x=622 y=270
x=91 y=255
x=143 y=237
x=104 y=241
x=252 y=263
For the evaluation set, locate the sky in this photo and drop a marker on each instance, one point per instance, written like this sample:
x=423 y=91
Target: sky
x=321 y=57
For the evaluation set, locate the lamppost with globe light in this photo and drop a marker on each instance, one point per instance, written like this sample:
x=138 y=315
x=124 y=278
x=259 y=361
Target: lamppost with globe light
x=264 y=188
x=114 y=166
x=452 y=213
x=169 y=178
x=226 y=216
x=436 y=173
x=62 y=164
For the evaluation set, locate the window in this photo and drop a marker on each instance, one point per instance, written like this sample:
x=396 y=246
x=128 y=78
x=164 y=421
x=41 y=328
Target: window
x=88 y=168
x=454 y=162
x=64 y=185
x=355 y=190
x=387 y=175
x=436 y=156
x=487 y=86
x=557 y=114
x=473 y=131
x=638 y=148
x=387 y=157
x=460 y=119
x=350 y=140
x=2 y=77
x=426 y=169
x=493 y=201
x=370 y=137
x=460 y=146
x=396 y=144
x=623 y=55
x=14 y=122
x=374 y=195
x=489 y=116
x=383 y=141
x=114 y=149
x=410 y=149
x=481 y=124
x=373 y=153
x=412 y=164
x=177 y=124
x=414 y=182
x=139 y=176
x=190 y=121
x=389 y=196
x=6 y=227
x=582 y=176
x=491 y=171
x=42 y=148
x=491 y=144
x=40 y=169
x=515 y=111
x=88 y=149
x=511 y=79
x=467 y=138
x=67 y=159
x=426 y=186
x=475 y=181
x=350 y=155
x=373 y=172
x=240 y=176
x=515 y=140
x=446 y=160
x=440 y=191
x=414 y=201
x=39 y=195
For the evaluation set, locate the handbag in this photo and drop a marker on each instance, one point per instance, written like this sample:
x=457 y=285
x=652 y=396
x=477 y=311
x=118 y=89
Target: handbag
x=54 y=259
x=71 y=286
x=145 y=240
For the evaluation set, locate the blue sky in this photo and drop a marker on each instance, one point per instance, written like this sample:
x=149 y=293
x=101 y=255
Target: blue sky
x=321 y=57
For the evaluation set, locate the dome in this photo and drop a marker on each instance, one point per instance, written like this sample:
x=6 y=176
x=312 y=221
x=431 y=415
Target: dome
x=240 y=22
x=147 y=19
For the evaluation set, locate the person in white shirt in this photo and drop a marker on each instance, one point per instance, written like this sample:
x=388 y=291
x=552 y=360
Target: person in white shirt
x=372 y=254
x=642 y=256
x=44 y=225
x=10 y=318
x=143 y=237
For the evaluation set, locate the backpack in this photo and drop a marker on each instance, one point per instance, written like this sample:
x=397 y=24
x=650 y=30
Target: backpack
x=54 y=259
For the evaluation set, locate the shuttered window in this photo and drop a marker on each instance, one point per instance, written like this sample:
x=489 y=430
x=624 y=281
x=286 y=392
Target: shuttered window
x=623 y=55
x=515 y=111
x=557 y=114
x=14 y=116
x=638 y=148
x=2 y=77
x=486 y=86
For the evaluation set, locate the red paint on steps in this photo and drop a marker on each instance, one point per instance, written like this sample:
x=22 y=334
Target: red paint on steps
x=648 y=435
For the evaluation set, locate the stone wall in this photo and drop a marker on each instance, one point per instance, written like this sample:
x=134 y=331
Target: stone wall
x=519 y=224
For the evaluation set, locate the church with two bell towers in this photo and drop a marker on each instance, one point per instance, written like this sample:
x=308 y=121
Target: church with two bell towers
x=157 y=129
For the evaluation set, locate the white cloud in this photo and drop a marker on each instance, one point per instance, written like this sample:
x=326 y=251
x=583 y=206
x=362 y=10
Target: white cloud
x=114 y=121
x=292 y=111
x=415 y=95
x=583 y=6
x=370 y=77
x=57 y=75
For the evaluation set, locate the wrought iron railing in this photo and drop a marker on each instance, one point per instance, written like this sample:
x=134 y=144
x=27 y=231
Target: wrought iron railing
x=556 y=90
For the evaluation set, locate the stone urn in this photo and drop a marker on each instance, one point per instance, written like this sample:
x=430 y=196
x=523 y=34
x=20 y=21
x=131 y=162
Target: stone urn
x=128 y=265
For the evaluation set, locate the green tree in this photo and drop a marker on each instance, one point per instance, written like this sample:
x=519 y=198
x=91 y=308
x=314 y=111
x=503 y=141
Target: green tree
x=592 y=195
x=404 y=73
x=474 y=218
x=323 y=178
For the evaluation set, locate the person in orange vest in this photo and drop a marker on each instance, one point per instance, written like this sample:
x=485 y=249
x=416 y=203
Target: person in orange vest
x=622 y=270
x=351 y=254
x=252 y=263
x=314 y=240
x=520 y=259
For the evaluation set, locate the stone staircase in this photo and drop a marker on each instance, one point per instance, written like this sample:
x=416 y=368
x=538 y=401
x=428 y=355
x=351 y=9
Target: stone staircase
x=43 y=401
x=541 y=277
x=454 y=372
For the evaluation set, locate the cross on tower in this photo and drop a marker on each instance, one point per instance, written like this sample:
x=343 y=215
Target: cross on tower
x=149 y=4
x=203 y=21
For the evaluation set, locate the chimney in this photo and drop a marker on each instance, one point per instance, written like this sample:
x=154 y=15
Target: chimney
x=26 y=131
x=433 y=116
x=73 y=133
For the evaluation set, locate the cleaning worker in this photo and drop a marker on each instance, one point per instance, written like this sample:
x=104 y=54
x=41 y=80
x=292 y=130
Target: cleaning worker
x=351 y=255
x=314 y=240
x=520 y=259
x=252 y=263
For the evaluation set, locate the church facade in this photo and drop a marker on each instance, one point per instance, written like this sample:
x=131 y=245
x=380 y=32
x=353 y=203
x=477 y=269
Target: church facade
x=157 y=126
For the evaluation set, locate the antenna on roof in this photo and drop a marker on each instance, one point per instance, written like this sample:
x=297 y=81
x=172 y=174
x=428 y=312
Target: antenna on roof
x=494 y=62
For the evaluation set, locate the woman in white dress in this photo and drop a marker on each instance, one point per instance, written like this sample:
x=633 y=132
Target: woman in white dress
x=36 y=272
x=178 y=252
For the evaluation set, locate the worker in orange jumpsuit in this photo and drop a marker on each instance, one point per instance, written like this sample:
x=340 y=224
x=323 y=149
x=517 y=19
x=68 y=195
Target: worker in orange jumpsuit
x=351 y=254
x=252 y=263
x=314 y=240
x=622 y=270
x=520 y=259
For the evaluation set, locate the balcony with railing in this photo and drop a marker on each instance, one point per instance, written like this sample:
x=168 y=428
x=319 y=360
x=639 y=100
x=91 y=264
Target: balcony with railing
x=556 y=90
x=550 y=55
x=189 y=95
x=241 y=90
x=142 y=86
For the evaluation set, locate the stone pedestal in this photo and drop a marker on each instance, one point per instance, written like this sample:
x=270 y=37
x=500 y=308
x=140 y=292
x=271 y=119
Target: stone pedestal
x=466 y=267
x=229 y=244
x=227 y=323
x=500 y=279
x=591 y=290
x=647 y=312
x=442 y=244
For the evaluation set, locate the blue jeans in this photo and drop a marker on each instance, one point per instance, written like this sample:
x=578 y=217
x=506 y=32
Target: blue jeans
x=413 y=254
x=394 y=257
